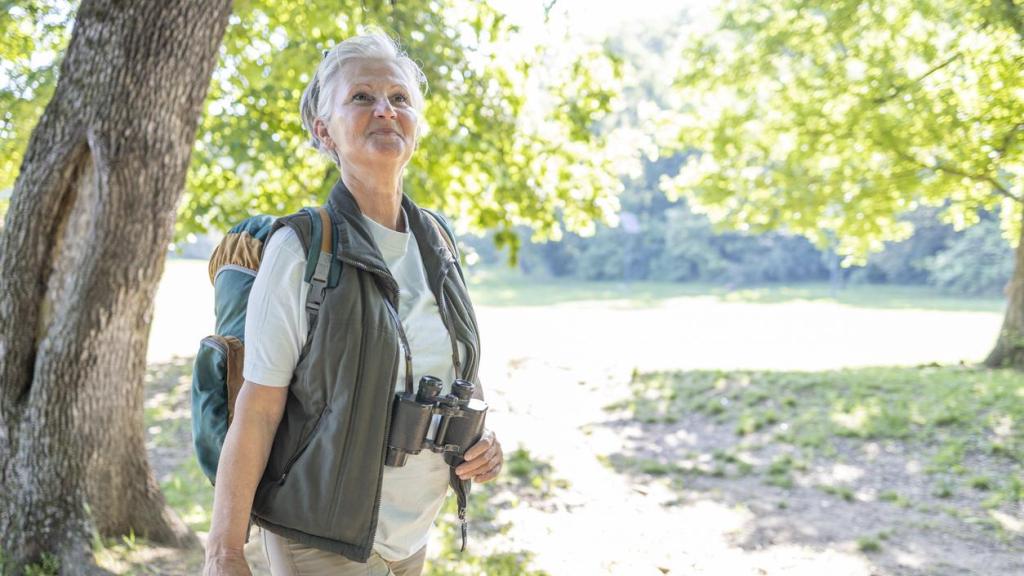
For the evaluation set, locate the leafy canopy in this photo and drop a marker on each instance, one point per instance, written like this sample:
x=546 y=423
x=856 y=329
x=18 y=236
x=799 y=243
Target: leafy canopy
x=32 y=35
x=831 y=119
x=509 y=139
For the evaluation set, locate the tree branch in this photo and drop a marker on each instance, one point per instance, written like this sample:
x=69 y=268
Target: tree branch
x=899 y=89
x=1013 y=14
x=1005 y=145
x=940 y=166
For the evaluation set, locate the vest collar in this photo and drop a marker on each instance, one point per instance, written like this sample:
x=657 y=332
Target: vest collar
x=355 y=240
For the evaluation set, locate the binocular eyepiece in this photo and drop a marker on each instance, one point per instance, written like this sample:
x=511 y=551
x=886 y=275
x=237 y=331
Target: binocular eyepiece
x=459 y=418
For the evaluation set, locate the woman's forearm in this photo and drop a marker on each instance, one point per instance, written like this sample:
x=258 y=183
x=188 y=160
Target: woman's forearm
x=243 y=458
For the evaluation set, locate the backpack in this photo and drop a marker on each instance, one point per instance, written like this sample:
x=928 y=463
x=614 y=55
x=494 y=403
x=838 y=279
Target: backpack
x=217 y=371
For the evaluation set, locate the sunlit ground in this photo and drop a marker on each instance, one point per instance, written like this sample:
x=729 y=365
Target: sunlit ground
x=644 y=449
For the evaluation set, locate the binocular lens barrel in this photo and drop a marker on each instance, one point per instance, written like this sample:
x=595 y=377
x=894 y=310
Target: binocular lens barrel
x=409 y=423
x=465 y=431
x=430 y=388
x=459 y=427
x=463 y=390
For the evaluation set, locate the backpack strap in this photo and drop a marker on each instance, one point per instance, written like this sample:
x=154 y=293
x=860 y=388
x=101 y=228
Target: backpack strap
x=445 y=231
x=319 y=259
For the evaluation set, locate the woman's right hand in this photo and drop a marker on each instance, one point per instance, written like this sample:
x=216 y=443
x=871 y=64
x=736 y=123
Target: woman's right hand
x=226 y=565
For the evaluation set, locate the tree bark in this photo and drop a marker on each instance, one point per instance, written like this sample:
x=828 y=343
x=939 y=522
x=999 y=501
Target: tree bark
x=1009 y=348
x=81 y=254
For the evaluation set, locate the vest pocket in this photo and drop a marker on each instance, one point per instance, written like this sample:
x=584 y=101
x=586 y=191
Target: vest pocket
x=303 y=444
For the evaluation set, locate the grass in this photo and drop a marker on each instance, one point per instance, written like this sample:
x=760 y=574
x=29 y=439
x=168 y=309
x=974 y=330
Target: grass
x=780 y=471
x=869 y=544
x=950 y=413
x=168 y=419
x=649 y=466
x=526 y=477
x=47 y=566
x=533 y=477
x=509 y=288
x=964 y=408
x=190 y=494
x=895 y=498
x=840 y=491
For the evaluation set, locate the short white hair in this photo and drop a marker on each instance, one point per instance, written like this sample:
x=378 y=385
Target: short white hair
x=319 y=93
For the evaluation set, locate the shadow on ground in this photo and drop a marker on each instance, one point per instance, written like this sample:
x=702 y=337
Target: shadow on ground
x=916 y=470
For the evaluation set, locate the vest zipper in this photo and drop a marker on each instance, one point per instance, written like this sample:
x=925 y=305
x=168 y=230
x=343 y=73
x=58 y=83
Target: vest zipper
x=305 y=444
x=385 y=275
x=380 y=470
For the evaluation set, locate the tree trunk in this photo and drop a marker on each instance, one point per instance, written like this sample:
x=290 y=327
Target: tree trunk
x=81 y=254
x=1009 y=349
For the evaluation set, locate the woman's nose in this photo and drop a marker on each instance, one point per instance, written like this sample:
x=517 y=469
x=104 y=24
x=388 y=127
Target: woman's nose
x=384 y=109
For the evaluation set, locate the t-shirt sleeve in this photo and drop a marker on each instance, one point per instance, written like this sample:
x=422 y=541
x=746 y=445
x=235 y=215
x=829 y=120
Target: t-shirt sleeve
x=275 y=322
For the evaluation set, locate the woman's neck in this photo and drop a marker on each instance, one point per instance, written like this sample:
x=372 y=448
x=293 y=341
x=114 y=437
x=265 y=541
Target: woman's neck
x=379 y=196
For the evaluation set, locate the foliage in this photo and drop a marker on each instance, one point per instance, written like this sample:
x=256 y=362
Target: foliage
x=658 y=239
x=494 y=155
x=669 y=242
x=976 y=262
x=906 y=261
x=48 y=566
x=830 y=119
x=34 y=33
x=479 y=160
x=675 y=241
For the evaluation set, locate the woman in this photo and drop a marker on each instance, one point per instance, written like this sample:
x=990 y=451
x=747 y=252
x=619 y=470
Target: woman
x=303 y=454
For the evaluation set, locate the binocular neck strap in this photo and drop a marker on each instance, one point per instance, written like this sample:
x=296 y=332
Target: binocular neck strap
x=461 y=488
x=406 y=349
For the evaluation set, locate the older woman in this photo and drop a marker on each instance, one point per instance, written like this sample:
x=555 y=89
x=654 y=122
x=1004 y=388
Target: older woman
x=304 y=455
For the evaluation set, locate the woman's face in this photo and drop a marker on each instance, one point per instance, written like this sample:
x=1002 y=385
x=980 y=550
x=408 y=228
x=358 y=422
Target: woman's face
x=373 y=121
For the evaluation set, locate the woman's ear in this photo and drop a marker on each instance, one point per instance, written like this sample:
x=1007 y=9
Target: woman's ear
x=322 y=134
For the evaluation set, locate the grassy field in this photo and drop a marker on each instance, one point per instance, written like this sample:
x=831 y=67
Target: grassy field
x=508 y=288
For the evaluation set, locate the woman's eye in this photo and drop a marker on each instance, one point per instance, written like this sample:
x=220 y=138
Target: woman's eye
x=400 y=98
x=362 y=97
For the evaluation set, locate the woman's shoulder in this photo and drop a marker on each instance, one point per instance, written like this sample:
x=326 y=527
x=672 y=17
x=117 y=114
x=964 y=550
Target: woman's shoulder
x=284 y=243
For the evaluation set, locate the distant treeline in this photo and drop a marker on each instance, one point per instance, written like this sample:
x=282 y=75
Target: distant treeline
x=657 y=239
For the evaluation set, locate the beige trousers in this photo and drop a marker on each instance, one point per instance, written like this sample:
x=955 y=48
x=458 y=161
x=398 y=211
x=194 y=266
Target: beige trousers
x=290 y=558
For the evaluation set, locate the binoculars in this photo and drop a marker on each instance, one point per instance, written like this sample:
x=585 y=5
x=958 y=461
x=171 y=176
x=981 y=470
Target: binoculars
x=460 y=425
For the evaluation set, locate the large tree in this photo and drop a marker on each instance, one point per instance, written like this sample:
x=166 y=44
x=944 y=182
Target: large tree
x=93 y=205
x=834 y=119
x=81 y=254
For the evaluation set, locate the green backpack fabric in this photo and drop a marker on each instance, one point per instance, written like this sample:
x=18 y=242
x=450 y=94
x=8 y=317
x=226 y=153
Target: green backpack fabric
x=217 y=372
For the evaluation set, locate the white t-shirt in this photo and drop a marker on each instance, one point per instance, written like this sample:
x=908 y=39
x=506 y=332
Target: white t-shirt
x=275 y=332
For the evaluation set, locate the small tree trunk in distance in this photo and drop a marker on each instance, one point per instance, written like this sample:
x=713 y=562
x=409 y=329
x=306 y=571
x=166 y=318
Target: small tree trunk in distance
x=1009 y=348
x=81 y=255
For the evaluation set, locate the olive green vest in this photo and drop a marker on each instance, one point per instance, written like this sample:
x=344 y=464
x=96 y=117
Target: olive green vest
x=322 y=483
